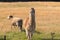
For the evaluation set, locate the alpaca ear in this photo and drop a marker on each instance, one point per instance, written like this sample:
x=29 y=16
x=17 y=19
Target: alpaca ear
x=8 y=17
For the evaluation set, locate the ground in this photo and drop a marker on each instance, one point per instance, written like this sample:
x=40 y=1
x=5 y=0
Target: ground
x=47 y=18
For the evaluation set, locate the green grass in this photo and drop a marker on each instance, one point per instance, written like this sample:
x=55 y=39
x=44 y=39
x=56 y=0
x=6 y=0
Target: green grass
x=19 y=36
x=36 y=36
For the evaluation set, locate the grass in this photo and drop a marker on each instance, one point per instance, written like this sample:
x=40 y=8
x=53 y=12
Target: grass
x=16 y=36
x=36 y=36
x=19 y=36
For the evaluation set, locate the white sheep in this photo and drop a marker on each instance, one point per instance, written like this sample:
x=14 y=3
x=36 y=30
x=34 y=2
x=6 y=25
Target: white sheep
x=15 y=21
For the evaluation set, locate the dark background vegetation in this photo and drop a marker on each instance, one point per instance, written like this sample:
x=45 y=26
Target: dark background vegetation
x=25 y=0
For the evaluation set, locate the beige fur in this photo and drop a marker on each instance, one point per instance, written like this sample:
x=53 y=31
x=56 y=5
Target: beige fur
x=30 y=24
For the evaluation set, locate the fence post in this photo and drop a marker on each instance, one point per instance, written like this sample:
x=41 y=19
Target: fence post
x=52 y=35
x=4 y=37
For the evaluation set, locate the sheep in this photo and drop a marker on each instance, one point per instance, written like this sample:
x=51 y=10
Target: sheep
x=30 y=24
x=15 y=21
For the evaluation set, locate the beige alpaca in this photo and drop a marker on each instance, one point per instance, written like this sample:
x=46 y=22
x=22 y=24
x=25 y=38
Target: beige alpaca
x=16 y=22
x=30 y=24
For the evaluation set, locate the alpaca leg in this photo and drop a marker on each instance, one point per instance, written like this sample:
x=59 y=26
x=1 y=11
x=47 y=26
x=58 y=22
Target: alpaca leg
x=20 y=28
x=20 y=24
x=28 y=35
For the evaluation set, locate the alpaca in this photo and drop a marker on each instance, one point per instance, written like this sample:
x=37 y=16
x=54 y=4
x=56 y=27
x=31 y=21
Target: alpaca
x=15 y=21
x=30 y=24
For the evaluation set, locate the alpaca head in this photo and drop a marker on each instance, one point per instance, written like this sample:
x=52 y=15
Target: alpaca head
x=10 y=17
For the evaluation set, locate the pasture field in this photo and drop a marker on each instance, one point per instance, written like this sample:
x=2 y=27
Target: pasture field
x=47 y=19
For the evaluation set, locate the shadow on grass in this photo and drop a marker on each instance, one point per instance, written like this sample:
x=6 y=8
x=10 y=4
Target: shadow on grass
x=38 y=32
